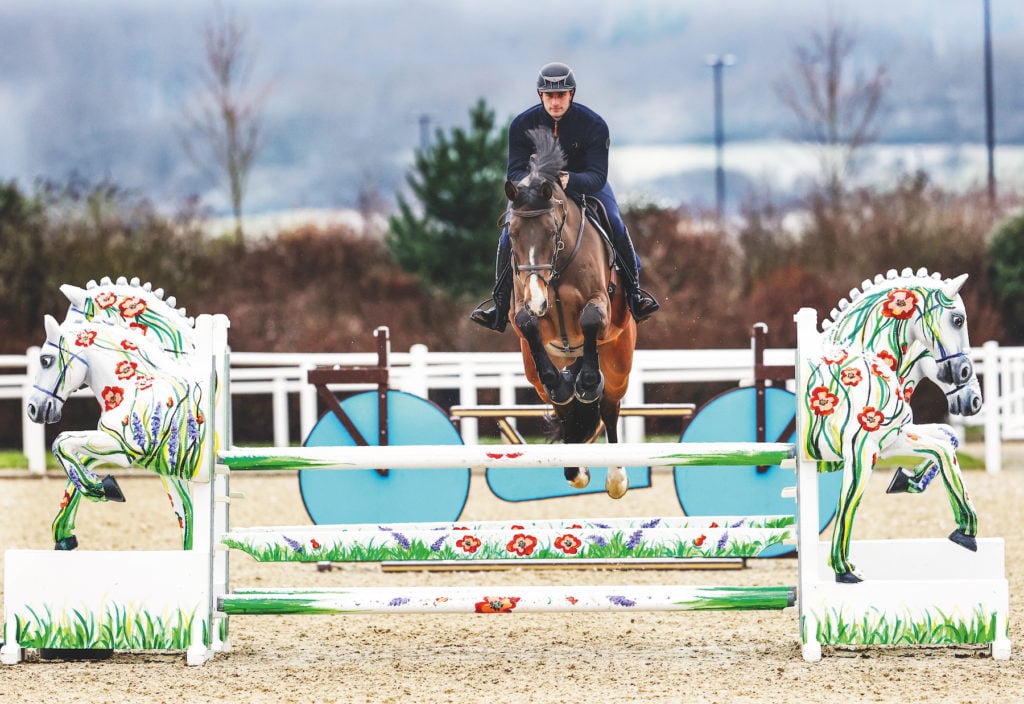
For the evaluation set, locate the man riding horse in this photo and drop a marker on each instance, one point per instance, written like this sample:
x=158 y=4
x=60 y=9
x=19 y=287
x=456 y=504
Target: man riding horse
x=583 y=136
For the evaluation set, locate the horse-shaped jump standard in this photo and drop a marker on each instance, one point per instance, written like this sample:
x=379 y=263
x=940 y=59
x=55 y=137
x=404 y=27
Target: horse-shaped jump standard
x=878 y=345
x=150 y=415
x=576 y=337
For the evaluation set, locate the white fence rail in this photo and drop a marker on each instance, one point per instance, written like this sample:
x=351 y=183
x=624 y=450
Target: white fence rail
x=280 y=376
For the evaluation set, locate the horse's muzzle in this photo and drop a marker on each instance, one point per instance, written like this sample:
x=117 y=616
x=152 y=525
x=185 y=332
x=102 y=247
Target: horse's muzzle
x=965 y=400
x=44 y=410
x=956 y=370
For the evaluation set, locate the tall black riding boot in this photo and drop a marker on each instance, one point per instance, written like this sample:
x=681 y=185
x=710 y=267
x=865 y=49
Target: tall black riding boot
x=496 y=317
x=641 y=303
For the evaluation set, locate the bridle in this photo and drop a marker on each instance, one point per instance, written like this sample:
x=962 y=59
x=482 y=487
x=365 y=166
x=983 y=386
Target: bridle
x=554 y=269
x=59 y=383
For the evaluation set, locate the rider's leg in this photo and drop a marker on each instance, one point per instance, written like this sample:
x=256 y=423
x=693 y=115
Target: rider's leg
x=641 y=303
x=496 y=317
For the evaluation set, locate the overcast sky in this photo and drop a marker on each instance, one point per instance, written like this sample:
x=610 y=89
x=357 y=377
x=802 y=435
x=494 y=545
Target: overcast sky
x=97 y=87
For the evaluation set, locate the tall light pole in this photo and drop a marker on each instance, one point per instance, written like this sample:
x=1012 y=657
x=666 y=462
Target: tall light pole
x=990 y=128
x=717 y=63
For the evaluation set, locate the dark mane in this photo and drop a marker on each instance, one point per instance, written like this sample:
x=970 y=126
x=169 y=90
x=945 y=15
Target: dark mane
x=548 y=158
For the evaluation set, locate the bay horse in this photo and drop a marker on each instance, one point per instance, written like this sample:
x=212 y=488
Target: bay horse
x=576 y=333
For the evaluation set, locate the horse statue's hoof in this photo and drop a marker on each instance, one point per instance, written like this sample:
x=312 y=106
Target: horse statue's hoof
x=967 y=541
x=111 y=491
x=69 y=543
x=900 y=483
x=848 y=578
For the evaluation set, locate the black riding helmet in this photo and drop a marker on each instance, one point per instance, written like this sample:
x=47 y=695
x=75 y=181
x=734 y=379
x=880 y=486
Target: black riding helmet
x=555 y=78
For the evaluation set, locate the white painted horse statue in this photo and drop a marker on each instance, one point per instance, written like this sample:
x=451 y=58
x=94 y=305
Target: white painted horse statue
x=892 y=332
x=150 y=404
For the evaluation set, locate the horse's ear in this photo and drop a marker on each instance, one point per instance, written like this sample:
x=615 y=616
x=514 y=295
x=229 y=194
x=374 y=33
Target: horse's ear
x=511 y=192
x=52 y=327
x=76 y=296
x=952 y=287
x=547 y=190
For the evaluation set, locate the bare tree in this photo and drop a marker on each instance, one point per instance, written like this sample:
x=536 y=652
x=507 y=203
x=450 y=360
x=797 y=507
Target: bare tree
x=835 y=110
x=224 y=120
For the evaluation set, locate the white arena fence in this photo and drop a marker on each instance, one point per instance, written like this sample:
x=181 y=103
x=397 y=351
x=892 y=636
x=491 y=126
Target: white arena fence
x=281 y=377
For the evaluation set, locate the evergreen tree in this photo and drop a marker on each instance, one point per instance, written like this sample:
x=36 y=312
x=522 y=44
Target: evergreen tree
x=1006 y=257
x=449 y=241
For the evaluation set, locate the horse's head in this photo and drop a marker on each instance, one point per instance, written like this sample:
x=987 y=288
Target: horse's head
x=62 y=370
x=942 y=328
x=537 y=217
x=917 y=322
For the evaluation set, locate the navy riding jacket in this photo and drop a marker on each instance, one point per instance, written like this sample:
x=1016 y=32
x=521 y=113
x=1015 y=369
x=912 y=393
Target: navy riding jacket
x=583 y=136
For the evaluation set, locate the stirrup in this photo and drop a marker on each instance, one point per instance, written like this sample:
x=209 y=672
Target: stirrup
x=642 y=305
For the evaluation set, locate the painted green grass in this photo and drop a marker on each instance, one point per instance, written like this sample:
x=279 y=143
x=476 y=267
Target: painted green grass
x=936 y=628
x=117 y=627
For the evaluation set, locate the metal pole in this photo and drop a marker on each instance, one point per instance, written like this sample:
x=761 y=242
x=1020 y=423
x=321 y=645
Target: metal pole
x=990 y=129
x=716 y=63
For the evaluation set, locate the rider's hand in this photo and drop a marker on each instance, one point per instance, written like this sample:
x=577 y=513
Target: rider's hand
x=563 y=176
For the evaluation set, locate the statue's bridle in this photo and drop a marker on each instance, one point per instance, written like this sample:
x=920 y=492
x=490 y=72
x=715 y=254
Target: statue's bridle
x=59 y=382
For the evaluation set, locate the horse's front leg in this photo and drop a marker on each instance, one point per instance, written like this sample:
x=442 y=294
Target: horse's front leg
x=590 y=380
x=77 y=453
x=617 y=482
x=857 y=465
x=937 y=443
x=557 y=384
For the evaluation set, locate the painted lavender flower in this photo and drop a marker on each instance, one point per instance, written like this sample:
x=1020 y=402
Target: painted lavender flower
x=723 y=541
x=293 y=544
x=172 y=444
x=401 y=540
x=156 y=419
x=651 y=524
x=634 y=540
x=438 y=544
x=621 y=601
x=398 y=601
x=598 y=540
x=191 y=428
x=138 y=433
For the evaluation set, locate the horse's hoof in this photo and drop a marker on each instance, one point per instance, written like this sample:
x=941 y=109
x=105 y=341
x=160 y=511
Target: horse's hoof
x=69 y=543
x=111 y=491
x=585 y=395
x=563 y=393
x=578 y=479
x=963 y=540
x=617 y=483
x=900 y=482
x=848 y=578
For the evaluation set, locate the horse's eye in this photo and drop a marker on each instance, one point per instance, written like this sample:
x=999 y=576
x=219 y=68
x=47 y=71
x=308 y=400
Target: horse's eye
x=46 y=361
x=959 y=320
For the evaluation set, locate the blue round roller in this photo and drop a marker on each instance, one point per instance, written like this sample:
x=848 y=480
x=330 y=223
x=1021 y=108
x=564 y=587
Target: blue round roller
x=404 y=495
x=742 y=490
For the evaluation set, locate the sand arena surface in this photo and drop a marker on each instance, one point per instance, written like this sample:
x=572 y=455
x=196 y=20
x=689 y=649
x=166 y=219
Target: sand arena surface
x=645 y=657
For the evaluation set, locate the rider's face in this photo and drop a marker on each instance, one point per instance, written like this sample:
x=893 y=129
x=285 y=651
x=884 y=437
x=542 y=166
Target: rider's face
x=555 y=104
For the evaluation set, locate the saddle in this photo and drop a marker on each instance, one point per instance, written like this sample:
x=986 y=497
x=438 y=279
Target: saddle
x=595 y=212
